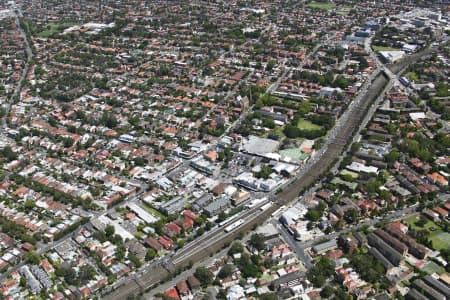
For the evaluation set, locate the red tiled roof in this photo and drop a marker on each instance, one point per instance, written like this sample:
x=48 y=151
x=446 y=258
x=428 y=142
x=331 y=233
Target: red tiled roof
x=172 y=293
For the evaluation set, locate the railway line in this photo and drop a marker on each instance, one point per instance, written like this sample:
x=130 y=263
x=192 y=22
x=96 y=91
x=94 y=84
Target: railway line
x=211 y=244
x=216 y=240
x=410 y=59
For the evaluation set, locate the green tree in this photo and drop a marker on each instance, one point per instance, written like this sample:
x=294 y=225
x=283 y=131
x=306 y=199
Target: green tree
x=351 y=215
x=225 y=271
x=134 y=120
x=222 y=216
x=270 y=65
x=257 y=241
x=109 y=231
x=69 y=275
x=236 y=247
x=264 y=173
x=150 y=255
x=204 y=275
x=120 y=252
x=327 y=292
x=108 y=120
x=368 y=267
x=86 y=273
x=392 y=156
x=32 y=258
x=373 y=186
x=268 y=296
x=29 y=204
x=269 y=262
x=318 y=274
x=248 y=267
x=291 y=131
x=135 y=260
x=8 y=153
x=313 y=215
x=139 y=161
x=304 y=107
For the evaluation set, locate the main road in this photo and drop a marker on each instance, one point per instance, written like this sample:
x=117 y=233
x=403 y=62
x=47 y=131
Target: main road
x=16 y=94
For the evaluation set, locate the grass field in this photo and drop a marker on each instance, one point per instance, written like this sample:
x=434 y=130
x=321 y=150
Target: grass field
x=414 y=218
x=307 y=125
x=53 y=28
x=278 y=130
x=412 y=76
x=342 y=12
x=267 y=277
x=152 y=211
x=381 y=48
x=321 y=5
x=349 y=173
x=431 y=267
x=440 y=239
x=139 y=235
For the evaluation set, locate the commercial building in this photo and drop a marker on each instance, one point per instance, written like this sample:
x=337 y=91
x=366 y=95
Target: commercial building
x=206 y=167
x=391 y=56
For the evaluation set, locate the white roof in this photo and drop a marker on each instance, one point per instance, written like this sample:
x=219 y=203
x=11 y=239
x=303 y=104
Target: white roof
x=230 y=190
x=235 y=292
x=417 y=116
x=117 y=228
x=7 y=257
x=359 y=167
x=142 y=214
x=281 y=272
x=392 y=55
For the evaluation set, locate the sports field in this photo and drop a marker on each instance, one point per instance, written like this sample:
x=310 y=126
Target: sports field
x=381 y=48
x=440 y=239
x=321 y=5
x=307 y=125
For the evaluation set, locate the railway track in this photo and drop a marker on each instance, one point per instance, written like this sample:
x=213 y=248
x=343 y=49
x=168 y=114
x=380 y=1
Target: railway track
x=338 y=144
x=291 y=192
x=207 y=246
